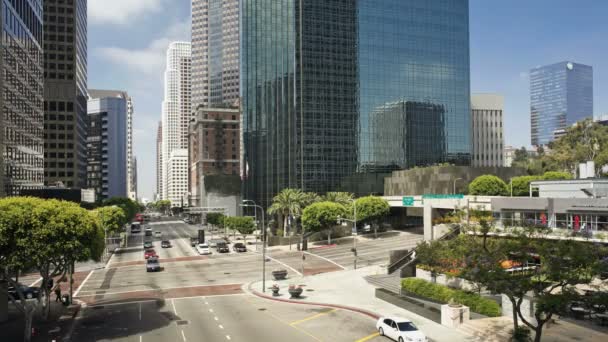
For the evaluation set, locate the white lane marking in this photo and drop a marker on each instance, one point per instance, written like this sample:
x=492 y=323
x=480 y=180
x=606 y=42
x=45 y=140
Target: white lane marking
x=110 y=260
x=36 y=282
x=228 y=337
x=221 y=326
x=335 y=263
x=83 y=282
x=140 y=338
x=183 y=335
x=277 y=261
x=140 y=311
x=211 y=310
x=168 y=288
x=215 y=318
x=174 y=309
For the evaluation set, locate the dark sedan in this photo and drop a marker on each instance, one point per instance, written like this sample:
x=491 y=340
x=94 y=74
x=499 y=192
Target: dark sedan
x=28 y=292
x=165 y=244
x=239 y=248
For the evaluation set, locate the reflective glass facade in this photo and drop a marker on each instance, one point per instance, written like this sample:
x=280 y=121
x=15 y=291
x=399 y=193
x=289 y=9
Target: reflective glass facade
x=560 y=95
x=21 y=102
x=346 y=86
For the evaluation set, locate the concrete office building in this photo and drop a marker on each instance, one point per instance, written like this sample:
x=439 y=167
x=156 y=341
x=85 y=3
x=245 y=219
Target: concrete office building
x=177 y=110
x=21 y=103
x=159 y=162
x=65 y=93
x=487 y=132
x=107 y=143
x=177 y=177
x=311 y=93
x=215 y=52
x=214 y=150
x=131 y=167
x=560 y=95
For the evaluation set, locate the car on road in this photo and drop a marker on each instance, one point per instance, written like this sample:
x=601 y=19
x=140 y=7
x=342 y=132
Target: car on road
x=203 y=249
x=28 y=292
x=152 y=265
x=158 y=234
x=135 y=227
x=222 y=247
x=150 y=253
x=148 y=228
x=165 y=244
x=399 y=329
x=193 y=241
x=148 y=245
x=239 y=247
x=213 y=242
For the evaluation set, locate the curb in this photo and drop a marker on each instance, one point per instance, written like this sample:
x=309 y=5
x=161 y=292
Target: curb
x=75 y=317
x=335 y=306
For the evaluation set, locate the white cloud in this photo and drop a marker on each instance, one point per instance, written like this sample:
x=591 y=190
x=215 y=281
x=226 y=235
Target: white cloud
x=151 y=59
x=524 y=75
x=120 y=11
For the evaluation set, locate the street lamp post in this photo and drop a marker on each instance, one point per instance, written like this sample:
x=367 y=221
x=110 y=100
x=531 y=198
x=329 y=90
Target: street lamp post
x=255 y=206
x=354 y=231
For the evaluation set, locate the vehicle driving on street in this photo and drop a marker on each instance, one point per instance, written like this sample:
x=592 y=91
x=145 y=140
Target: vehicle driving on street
x=148 y=245
x=150 y=253
x=28 y=292
x=165 y=244
x=239 y=247
x=203 y=249
x=193 y=241
x=135 y=227
x=152 y=265
x=158 y=234
x=222 y=247
x=399 y=329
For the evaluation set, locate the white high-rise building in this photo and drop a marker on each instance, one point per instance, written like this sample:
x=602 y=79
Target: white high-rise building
x=177 y=177
x=176 y=111
x=215 y=52
x=131 y=171
x=487 y=131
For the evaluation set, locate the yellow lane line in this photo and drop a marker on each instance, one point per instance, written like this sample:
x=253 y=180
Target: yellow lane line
x=367 y=338
x=312 y=317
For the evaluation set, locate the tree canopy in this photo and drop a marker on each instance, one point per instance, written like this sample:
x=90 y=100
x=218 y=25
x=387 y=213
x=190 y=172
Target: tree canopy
x=371 y=208
x=112 y=218
x=242 y=224
x=215 y=219
x=322 y=216
x=344 y=198
x=127 y=205
x=488 y=185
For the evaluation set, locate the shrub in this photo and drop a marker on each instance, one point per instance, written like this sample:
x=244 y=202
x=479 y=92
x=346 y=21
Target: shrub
x=555 y=175
x=488 y=185
x=476 y=303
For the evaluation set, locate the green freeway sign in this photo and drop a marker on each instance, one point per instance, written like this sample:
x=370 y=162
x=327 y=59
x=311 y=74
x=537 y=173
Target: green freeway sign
x=408 y=201
x=441 y=196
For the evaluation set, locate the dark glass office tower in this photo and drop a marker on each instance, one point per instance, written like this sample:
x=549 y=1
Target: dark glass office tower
x=65 y=92
x=21 y=103
x=322 y=81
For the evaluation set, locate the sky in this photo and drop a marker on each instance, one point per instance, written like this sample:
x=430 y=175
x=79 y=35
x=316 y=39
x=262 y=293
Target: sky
x=128 y=40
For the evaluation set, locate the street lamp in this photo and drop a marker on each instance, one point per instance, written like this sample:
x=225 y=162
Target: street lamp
x=354 y=231
x=250 y=203
x=456 y=180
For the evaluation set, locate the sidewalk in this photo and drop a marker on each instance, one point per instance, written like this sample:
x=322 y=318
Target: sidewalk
x=348 y=288
x=60 y=321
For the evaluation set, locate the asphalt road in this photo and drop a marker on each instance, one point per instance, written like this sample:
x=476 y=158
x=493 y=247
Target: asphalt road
x=221 y=318
x=370 y=251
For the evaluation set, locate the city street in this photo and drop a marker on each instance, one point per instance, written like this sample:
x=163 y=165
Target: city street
x=221 y=318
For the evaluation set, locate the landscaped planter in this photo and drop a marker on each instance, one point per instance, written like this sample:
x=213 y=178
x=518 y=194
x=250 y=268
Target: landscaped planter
x=295 y=292
x=442 y=279
x=279 y=274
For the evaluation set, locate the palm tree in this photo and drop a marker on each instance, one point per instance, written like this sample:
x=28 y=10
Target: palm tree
x=344 y=198
x=287 y=202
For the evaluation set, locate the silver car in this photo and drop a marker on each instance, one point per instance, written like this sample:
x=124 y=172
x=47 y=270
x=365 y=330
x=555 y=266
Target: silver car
x=152 y=265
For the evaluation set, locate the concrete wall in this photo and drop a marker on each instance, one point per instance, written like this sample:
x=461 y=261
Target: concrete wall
x=441 y=279
x=440 y=179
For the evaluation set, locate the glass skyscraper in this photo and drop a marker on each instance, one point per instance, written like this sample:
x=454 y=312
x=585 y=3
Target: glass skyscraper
x=336 y=87
x=21 y=97
x=560 y=95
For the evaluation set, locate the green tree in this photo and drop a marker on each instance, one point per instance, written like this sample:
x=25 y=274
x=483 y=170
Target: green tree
x=488 y=185
x=585 y=141
x=111 y=218
x=371 y=209
x=163 y=206
x=556 y=175
x=242 y=224
x=288 y=202
x=215 y=219
x=344 y=198
x=44 y=235
x=521 y=185
x=127 y=205
x=322 y=216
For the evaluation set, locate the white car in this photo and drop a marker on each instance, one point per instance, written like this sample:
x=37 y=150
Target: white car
x=399 y=329
x=158 y=234
x=203 y=249
x=148 y=229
